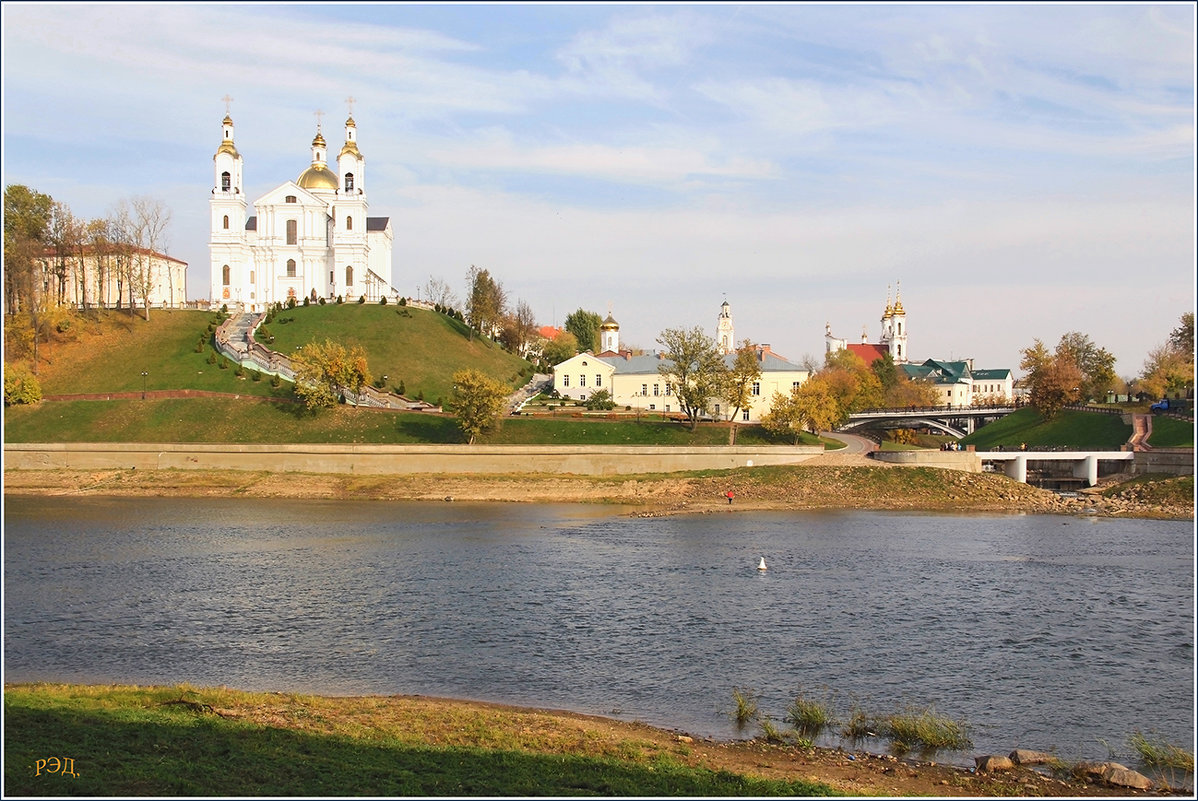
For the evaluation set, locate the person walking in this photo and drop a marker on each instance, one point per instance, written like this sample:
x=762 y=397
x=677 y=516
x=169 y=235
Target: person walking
x=729 y=495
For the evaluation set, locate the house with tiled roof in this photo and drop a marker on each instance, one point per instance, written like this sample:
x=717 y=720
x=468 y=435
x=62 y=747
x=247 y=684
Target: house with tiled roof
x=959 y=384
x=636 y=381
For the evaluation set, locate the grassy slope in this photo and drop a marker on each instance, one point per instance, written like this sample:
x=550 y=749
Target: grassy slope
x=129 y=741
x=1070 y=429
x=423 y=349
x=1169 y=432
x=226 y=420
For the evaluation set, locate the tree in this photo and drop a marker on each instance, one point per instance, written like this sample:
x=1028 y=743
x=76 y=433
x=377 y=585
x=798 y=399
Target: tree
x=1097 y=365
x=738 y=388
x=324 y=371
x=600 y=400
x=585 y=325
x=20 y=385
x=1182 y=338
x=146 y=221
x=487 y=303
x=1053 y=380
x=561 y=347
x=518 y=330
x=477 y=402
x=693 y=365
x=27 y=216
x=784 y=419
x=438 y=293
x=818 y=406
x=855 y=386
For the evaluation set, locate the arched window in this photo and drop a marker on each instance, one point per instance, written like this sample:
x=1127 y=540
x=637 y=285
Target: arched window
x=291 y=268
x=226 y=222
x=292 y=232
x=349 y=275
x=289 y=199
x=226 y=182
x=349 y=182
x=224 y=275
x=349 y=223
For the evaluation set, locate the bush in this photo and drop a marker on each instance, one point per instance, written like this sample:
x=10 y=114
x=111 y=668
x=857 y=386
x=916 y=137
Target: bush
x=361 y=299
x=255 y=375
x=600 y=400
x=291 y=303
x=276 y=382
x=240 y=371
x=212 y=357
x=306 y=301
x=340 y=300
x=401 y=389
x=383 y=300
x=20 y=385
x=403 y=301
x=322 y=301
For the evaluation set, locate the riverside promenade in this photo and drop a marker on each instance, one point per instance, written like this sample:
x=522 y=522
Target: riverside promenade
x=597 y=460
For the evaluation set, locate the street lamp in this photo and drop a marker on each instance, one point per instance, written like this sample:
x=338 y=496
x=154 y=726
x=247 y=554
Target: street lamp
x=384 y=382
x=143 y=384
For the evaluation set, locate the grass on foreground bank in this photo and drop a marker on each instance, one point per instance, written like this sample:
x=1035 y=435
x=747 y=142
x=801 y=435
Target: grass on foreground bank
x=246 y=421
x=137 y=741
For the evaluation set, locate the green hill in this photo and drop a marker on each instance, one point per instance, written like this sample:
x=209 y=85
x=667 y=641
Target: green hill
x=422 y=349
x=1069 y=429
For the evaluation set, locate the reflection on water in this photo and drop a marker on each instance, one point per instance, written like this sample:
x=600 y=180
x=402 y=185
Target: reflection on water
x=1041 y=632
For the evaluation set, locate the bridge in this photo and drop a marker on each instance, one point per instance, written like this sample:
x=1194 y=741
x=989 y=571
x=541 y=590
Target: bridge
x=957 y=421
x=1084 y=465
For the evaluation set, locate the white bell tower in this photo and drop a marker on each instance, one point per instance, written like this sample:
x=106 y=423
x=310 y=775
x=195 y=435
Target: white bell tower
x=227 y=204
x=724 y=337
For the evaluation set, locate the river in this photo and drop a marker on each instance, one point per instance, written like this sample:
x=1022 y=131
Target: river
x=1041 y=632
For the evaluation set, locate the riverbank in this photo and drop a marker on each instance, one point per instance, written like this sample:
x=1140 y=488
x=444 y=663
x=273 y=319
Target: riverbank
x=827 y=482
x=216 y=741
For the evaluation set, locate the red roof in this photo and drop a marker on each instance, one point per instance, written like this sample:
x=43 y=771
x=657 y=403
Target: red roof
x=868 y=353
x=548 y=331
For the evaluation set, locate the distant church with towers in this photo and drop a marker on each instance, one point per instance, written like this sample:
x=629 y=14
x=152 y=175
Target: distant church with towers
x=308 y=238
x=892 y=341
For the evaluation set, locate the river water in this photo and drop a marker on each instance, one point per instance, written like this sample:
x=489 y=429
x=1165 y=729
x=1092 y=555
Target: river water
x=1040 y=632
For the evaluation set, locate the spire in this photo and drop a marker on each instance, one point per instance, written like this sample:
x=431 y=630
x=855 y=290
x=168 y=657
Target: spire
x=898 y=301
x=226 y=142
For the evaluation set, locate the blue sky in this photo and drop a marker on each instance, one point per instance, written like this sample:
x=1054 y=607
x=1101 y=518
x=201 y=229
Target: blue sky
x=1022 y=170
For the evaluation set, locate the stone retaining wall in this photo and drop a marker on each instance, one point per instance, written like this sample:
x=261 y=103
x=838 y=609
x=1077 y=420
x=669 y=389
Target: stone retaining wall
x=396 y=459
x=1175 y=461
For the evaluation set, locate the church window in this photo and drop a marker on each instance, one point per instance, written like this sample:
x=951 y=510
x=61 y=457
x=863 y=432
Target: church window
x=251 y=276
x=226 y=222
x=289 y=199
x=331 y=276
x=291 y=268
x=349 y=182
x=224 y=275
x=756 y=387
x=349 y=223
x=226 y=182
x=349 y=275
x=292 y=232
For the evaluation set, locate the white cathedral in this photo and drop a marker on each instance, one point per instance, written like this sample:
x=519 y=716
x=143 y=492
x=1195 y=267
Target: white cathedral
x=310 y=238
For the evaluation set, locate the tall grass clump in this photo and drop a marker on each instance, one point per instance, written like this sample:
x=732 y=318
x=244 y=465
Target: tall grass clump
x=925 y=729
x=744 y=706
x=810 y=715
x=859 y=725
x=1157 y=753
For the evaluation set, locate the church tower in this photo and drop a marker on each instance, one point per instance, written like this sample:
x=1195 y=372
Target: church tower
x=898 y=326
x=609 y=335
x=227 y=204
x=349 y=225
x=724 y=337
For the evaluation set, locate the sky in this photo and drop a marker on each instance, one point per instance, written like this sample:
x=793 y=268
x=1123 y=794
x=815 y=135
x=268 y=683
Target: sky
x=1017 y=172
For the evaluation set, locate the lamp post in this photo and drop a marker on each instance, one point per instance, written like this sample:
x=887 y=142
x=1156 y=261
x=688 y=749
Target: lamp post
x=143 y=384
x=385 y=383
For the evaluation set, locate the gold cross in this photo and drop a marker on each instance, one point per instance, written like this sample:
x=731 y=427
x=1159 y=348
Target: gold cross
x=318 y=114
x=350 y=100
x=227 y=100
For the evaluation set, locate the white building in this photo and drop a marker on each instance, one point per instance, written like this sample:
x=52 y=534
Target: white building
x=636 y=381
x=310 y=237
x=893 y=339
x=115 y=276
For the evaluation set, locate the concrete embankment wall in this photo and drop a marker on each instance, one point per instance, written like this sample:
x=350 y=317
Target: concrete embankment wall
x=396 y=459
x=1175 y=461
x=968 y=461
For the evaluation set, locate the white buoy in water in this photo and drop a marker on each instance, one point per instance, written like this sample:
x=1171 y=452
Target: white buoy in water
x=761 y=564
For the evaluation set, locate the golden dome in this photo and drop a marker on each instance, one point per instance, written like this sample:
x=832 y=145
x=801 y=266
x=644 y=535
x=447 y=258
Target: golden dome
x=898 y=307
x=609 y=324
x=227 y=147
x=317 y=177
x=227 y=120
x=318 y=141
x=350 y=147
